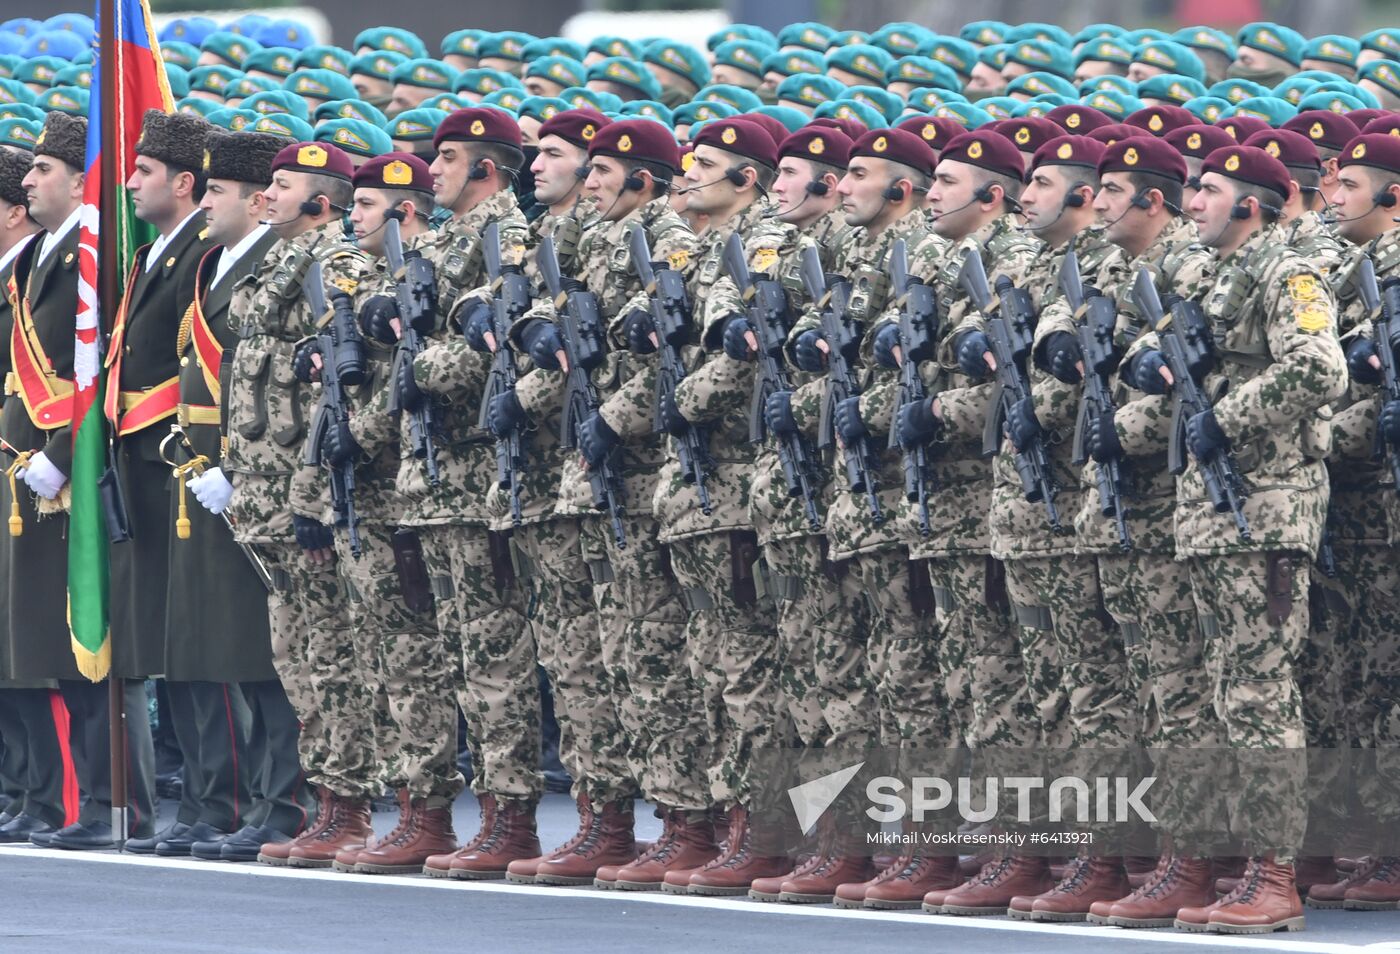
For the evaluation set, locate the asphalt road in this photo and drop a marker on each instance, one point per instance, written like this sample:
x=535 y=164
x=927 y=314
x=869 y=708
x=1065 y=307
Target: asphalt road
x=103 y=902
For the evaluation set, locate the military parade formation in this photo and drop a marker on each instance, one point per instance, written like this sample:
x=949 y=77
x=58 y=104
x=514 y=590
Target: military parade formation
x=1004 y=391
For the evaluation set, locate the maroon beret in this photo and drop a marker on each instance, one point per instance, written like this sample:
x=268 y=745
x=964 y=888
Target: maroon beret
x=1386 y=125
x=1029 y=133
x=577 y=126
x=818 y=143
x=1363 y=116
x=1160 y=120
x=1241 y=128
x=740 y=137
x=317 y=158
x=1288 y=147
x=776 y=130
x=853 y=128
x=1113 y=132
x=1142 y=153
x=988 y=150
x=934 y=130
x=1249 y=164
x=1197 y=142
x=1068 y=151
x=1078 y=120
x=896 y=145
x=1327 y=130
x=478 y=124
x=643 y=139
x=394 y=170
x=1377 y=150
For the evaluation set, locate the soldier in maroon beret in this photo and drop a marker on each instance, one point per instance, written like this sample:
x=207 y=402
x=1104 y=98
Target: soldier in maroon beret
x=475 y=145
x=306 y=174
x=1241 y=128
x=1368 y=187
x=1140 y=192
x=1113 y=132
x=395 y=180
x=978 y=179
x=1302 y=213
x=631 y=162
x=1243 y=189
x=1194 y=143
x=776 y=130
x=934 y=130
x=561 y=166
x=1029 y=134
x=811 y=163
x=1078 y=120
x=734 y=159
x=1063 y=178
x=1160 y=120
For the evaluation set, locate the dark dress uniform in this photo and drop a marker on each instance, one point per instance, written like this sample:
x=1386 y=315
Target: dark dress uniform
x=44 y=298
x=218 y=645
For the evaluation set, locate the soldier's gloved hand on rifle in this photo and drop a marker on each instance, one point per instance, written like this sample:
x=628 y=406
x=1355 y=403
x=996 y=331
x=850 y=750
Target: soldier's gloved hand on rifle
x=971 y=349
x=915 y=425
x=1390 y=422
x=1147 y=372
x=211 y=489
x=1204 y=436
x=638 y=328
x=777 y=414
x=313 y=536
x=806 y=354
x=1062 y=352
x=43 y=477
x=886 y=340
x=505 y=414
x=672 y=420
x=542 y=343
x=1102 y=438
x=375 y=319
x=303 y=368
x=1022 y=426
x=1360 y=354
x=338 y=445
x=596 y=439
x=411 y=396
x=736 y=344
x=476 y=324
x=846 y=418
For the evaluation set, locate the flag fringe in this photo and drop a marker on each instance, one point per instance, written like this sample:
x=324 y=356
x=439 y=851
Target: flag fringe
x=95 y=666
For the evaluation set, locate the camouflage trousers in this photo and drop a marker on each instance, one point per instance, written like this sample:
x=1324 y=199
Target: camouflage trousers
x=1251 y=653
x=823 y=623
x=643 y=634
x=416 y=718
x=1075 y=665
x=491 y=654
x=733 y=650
x=1149 y=597
x=319 y=663
x=984 y=678
x=592 y=744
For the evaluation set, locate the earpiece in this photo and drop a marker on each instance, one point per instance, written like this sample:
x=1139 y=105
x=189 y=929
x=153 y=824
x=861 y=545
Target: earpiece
x=633 y=182
x=1140 y=200
x=478 y=170
x=818 y=187
x=984 y=194
x=735 y=177
x=581 y=173
x=1073 y=200
x=1240 y=211
x=894 y=193
x=1384 y=198
x=310 y=207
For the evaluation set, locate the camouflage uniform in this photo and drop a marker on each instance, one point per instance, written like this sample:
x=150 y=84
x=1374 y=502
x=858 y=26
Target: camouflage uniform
x=1274 y=326
x=267 y=411
x=479 y=607
x=416 y=723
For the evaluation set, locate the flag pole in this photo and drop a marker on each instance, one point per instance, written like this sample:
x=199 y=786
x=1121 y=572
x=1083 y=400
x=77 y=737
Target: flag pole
x=108 y=292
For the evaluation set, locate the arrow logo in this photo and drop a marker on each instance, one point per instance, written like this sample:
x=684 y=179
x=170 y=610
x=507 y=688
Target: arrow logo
x=811 y=799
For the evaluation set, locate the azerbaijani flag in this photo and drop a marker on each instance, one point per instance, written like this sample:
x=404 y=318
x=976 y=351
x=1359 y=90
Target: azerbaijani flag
x=114 y=122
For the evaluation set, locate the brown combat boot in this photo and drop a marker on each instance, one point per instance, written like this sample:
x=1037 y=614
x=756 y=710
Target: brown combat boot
x=687 y=843
x=1333 y=895
x=440 y=866
x=843 y=864
x=912 y=881
x=275 y=852
x=852 y=893
x=1312 y=870
x=511 y=837
x=606 y=878
x=991 y=893
x=605 y=837
x=426 y=832
x=1380 y=890
x=1178 y=883
x=346 y=859
x=1265 y=901
x=347 y=827
x=1021 y=906
x=1140 y=868
x=1228 y=874
x=749 y=855
x=1094 y=879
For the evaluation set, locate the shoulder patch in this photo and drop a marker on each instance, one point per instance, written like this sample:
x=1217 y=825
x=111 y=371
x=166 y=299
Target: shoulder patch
x=764 y=259
x=347 y=285
x=679 y=259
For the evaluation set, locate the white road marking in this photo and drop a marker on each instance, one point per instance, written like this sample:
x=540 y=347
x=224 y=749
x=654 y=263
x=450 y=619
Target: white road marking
x=1278 y=942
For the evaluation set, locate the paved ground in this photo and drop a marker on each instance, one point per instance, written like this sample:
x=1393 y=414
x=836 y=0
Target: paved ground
x=58 y=902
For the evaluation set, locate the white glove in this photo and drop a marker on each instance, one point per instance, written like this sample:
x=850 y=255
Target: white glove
x=43 y=477
x=211 y=489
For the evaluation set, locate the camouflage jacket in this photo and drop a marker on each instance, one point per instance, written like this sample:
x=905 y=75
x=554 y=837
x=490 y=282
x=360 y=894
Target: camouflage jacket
x=850 y=526
x=1280 y=366
x=962 y=477
x=1314 y=240
x=1142 y=421
x=455 y=375
x=268 y=410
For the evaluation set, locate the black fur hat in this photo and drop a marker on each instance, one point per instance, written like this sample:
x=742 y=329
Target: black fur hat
x=13 y=168
x=176 y=139
x=64 y=137
x=240 y=156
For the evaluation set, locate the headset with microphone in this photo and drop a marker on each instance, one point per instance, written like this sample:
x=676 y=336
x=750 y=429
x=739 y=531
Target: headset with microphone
x=1383 y=199
x=733 y=175
x=814 y=188
x=309 y=207
x=1072 y=200
x=982 y=194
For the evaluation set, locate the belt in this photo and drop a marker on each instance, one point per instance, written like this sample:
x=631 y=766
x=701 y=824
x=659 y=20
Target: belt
x=11 y=383
x=187 y=414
